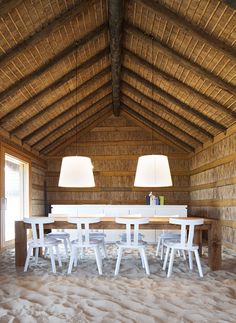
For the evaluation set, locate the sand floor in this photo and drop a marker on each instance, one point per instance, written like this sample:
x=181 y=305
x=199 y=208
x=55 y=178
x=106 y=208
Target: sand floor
x=83 y=296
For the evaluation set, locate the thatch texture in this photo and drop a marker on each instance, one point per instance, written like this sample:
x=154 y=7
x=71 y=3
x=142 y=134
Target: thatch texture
x=165 y=69
x=172 y=67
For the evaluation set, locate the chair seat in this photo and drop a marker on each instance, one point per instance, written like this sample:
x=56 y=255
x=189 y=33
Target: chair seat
x=180 y=246
x=47 y=242
x=92 y=243
x=123 y=236
x=141 y=243
x=59 y=235
x=169 y=235
x=97 y=235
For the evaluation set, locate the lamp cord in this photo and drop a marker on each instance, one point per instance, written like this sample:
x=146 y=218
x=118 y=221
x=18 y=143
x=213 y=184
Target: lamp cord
x=76 y=99
x=152 y=145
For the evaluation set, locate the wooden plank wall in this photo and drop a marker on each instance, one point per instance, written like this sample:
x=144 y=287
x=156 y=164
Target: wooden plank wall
x=114 y=147
x=213 y=184
x=38 y=172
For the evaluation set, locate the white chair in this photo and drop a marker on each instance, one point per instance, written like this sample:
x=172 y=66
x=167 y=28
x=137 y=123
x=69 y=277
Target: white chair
x=123 y=235
x=132 y=241
x=168 y=236
x=93 y=234
x=40 y=241
x=61 y=234
x=186 y=244
x=84 y=241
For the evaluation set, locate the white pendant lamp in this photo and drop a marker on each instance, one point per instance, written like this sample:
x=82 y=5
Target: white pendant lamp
x=153 y=171
x=76 y=171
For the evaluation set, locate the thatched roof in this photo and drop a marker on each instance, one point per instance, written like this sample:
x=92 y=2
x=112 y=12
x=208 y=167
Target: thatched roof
x=68 y=65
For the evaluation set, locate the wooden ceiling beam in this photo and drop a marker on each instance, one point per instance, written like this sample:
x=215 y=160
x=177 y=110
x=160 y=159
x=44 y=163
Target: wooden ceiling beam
x=131 y=103
x=45 y=31
x=72 y=121
x=150 y=41
x=71 y=110
x=8 y=5
x=178 y=84
x=198 y=34
x=173 y=100
x=94 y=79
x=88 y=124
x=48 y=90
x=230 y=3
x=157 y=129
x=138 y=94
x=52 y=62
x=115 y=17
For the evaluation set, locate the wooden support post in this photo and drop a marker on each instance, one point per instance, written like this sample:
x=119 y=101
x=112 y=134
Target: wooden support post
x=198 y=240
x=20 y=243
x=214 y=245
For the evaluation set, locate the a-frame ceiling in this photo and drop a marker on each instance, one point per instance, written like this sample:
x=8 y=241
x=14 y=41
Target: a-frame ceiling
x=67 y=65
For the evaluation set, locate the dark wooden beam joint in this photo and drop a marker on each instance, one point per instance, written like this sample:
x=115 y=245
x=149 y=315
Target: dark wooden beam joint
x=115 y=14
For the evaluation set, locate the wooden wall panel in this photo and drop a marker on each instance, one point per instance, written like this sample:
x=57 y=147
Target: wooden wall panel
x=213 y=185
x=114 y=147
x=38 y=194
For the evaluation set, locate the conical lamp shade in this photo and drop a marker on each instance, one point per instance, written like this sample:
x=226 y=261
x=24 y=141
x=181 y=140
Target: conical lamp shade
x=153 y=171
x=76 y=171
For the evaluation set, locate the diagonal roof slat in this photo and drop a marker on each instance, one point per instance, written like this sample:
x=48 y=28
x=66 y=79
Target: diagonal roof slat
x=52 y=62
x=14 y=113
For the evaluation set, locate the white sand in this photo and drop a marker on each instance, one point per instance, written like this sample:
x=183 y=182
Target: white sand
x=40 y=296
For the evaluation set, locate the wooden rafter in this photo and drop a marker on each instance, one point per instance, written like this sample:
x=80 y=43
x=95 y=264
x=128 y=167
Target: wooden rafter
x=59 y=102
x=52 y=62
x=189 y=28
x=48 y=90
x=173 y=100
x=140 y=96
x=115 y=16
x=230 y=3
x=157 y=129
x=45 y=30
x=149 y=40
x=71 y=110
x=8 y=5
x=88 y=124
x=131 y=103
x=178 y=84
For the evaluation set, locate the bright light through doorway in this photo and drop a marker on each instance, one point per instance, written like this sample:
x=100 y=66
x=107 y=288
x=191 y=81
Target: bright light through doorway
x=16 y=194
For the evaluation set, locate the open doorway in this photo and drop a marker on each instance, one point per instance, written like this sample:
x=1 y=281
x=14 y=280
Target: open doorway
x=16 y=201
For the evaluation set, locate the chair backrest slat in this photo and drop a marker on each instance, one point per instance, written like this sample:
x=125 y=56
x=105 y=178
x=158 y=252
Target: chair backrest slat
x=83 y=228
x=136 y=230
x=135 y=223
x=37 y=227
x=128 y=233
